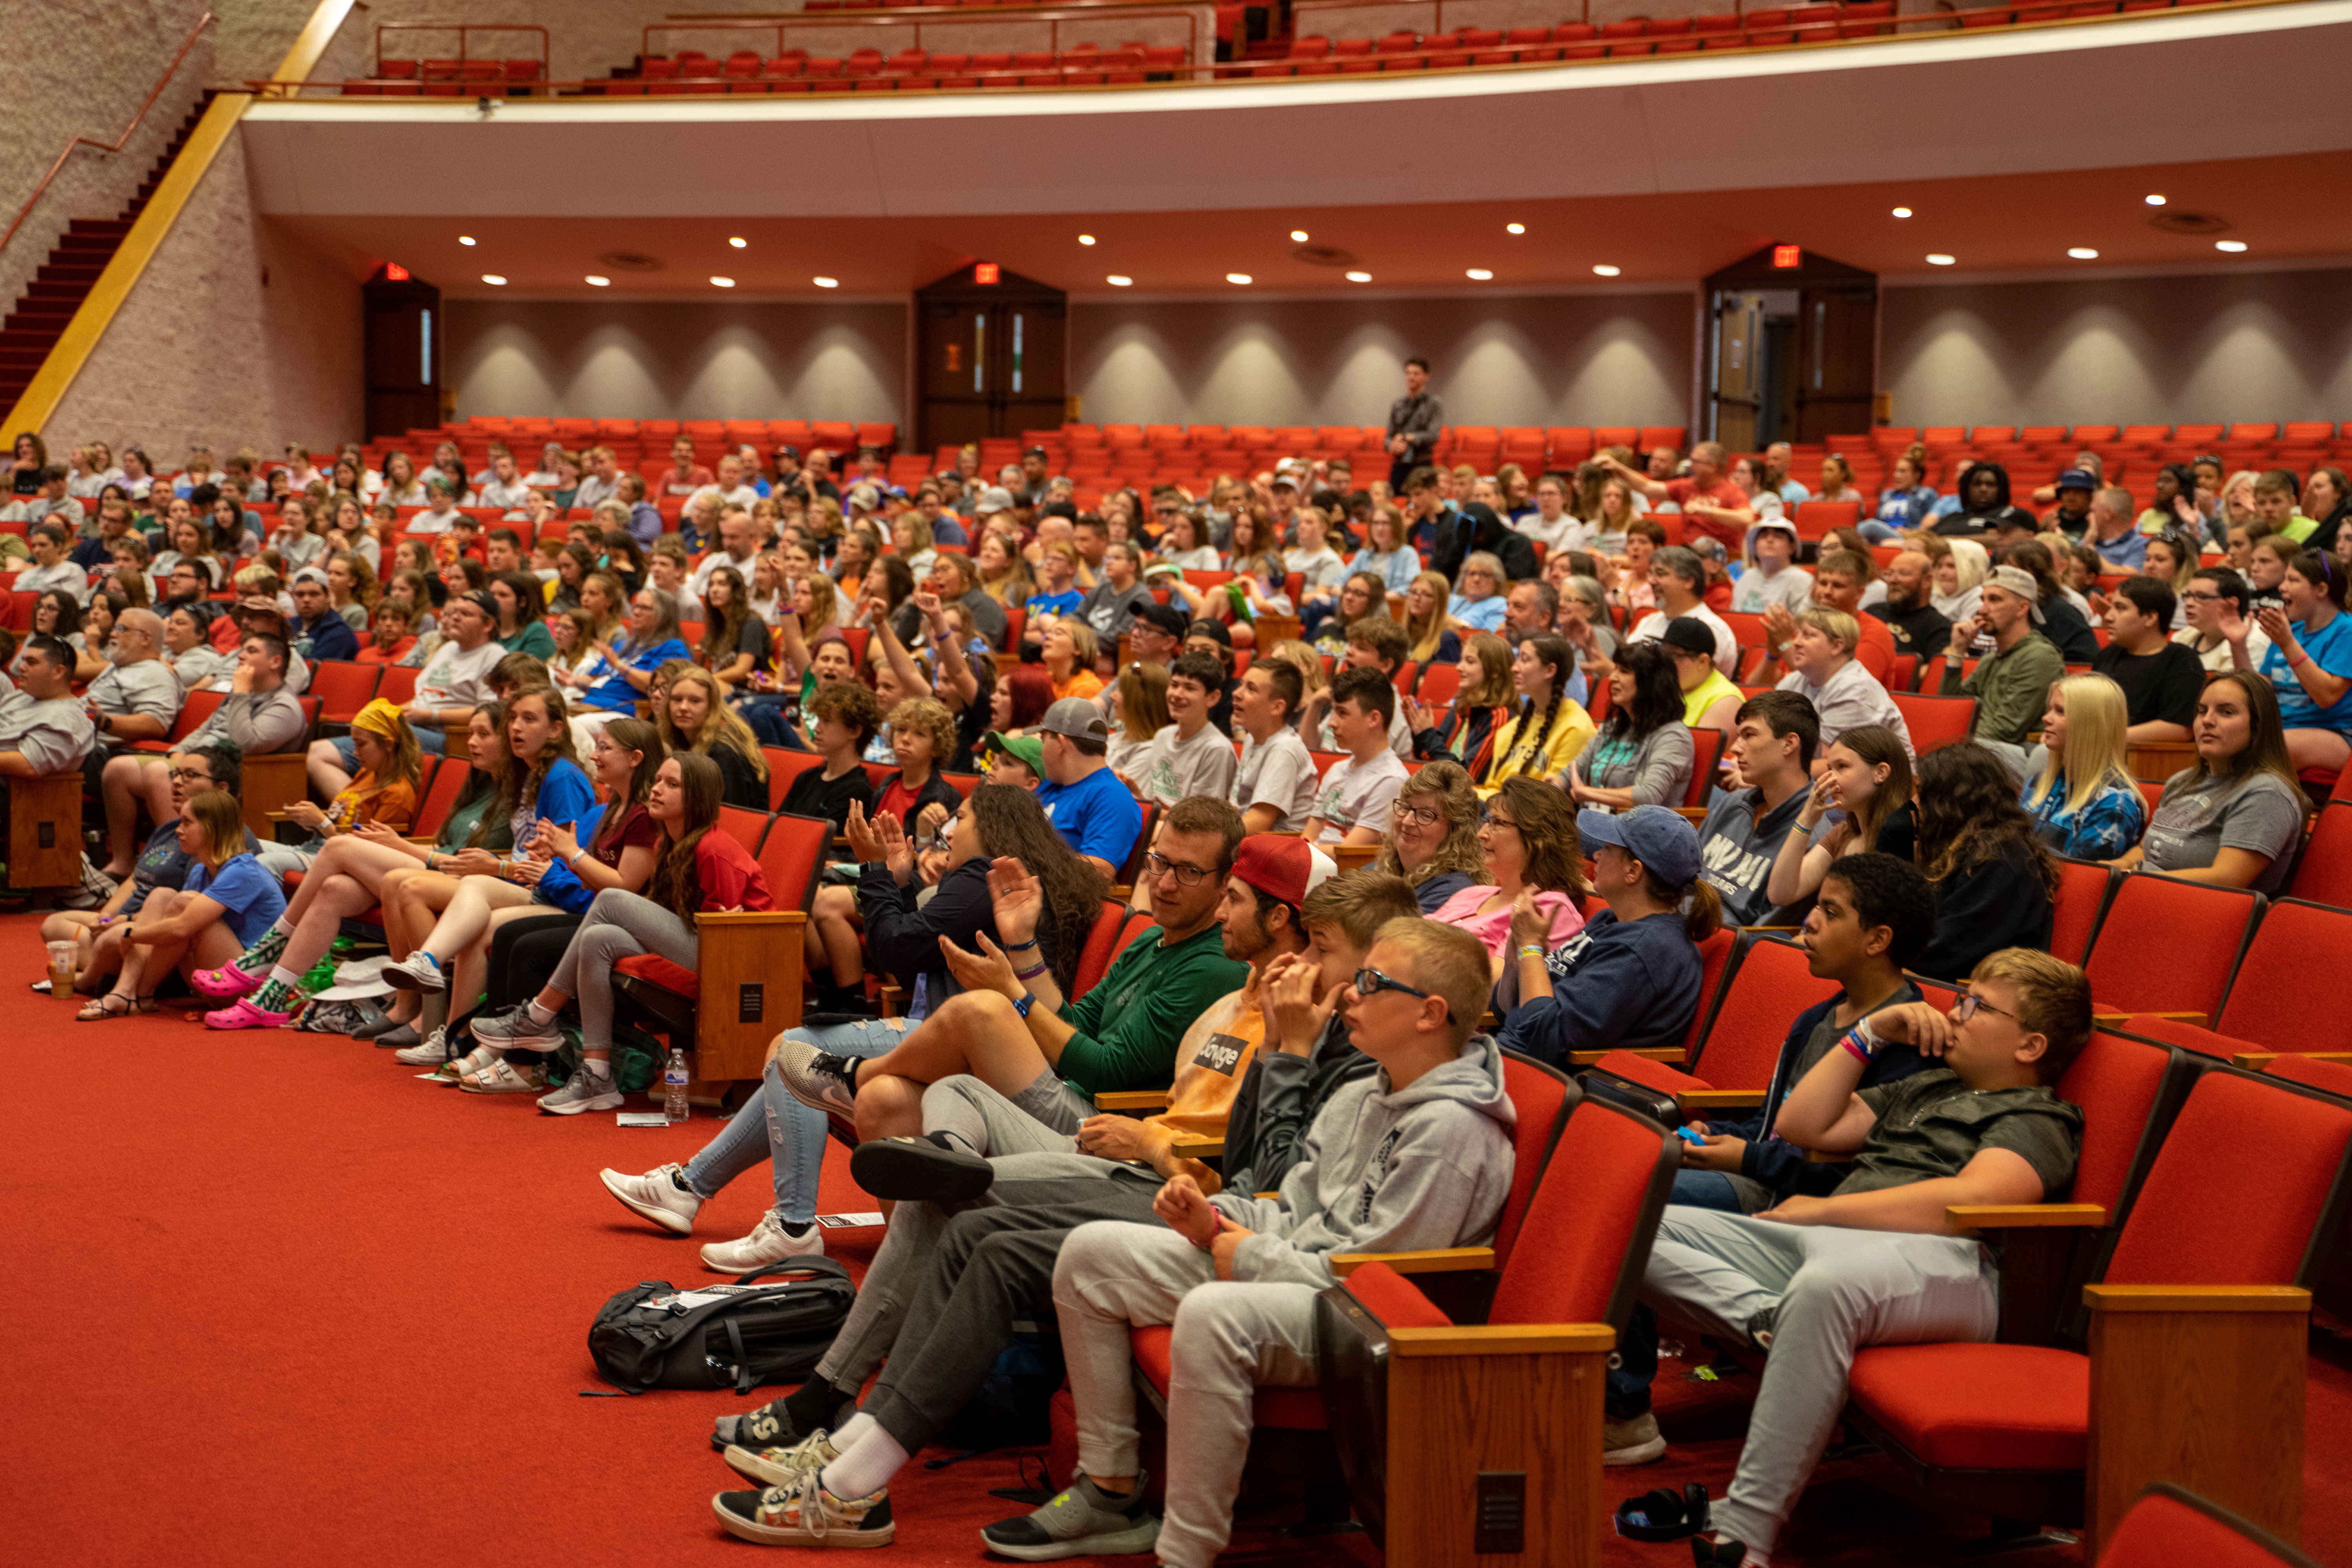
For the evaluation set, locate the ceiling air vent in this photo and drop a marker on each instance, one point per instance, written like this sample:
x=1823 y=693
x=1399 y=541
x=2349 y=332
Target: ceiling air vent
x=1325 y=256
x=629 y=261
x=2176 y=222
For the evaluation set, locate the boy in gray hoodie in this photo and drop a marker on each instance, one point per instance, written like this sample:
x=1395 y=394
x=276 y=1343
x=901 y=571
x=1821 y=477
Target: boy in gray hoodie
x=1417 y=1156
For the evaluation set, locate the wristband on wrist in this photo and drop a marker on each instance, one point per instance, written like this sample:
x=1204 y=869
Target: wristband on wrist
x=1531 y=949
x=1017 y=946
x=1025 y=976
x=1024 y=1003
x=1862 y=1042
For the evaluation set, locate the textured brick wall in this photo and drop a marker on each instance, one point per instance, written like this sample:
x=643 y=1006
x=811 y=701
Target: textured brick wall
x=81 y=70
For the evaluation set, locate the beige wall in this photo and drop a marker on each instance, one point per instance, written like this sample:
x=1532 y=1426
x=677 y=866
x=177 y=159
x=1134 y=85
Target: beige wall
x=2251 y=345
x=652 y=359
x=238 y=334
x=83 y=70
x=1575 y=359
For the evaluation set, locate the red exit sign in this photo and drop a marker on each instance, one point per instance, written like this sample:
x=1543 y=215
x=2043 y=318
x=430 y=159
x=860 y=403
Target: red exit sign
x=1788 y=257
x=986 y=272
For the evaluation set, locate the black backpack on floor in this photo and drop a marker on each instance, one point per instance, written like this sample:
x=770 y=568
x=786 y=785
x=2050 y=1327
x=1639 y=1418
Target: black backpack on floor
x=757 y=1330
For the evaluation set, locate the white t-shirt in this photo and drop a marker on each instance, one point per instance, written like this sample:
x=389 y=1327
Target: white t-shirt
x=1358 y=796
x=1171 y=769
x=1279 y=774
x=1568 y=533
x=497 y=494
x=1755 y=593
x=457 y=678
x=431 y=521
x=1652 y=627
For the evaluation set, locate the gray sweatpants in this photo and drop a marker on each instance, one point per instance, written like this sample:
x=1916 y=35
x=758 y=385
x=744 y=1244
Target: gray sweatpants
x=909 y=1246
x=1043 y=1118
x=618 y=925
x=1837 y=1290
x=1229 y=1339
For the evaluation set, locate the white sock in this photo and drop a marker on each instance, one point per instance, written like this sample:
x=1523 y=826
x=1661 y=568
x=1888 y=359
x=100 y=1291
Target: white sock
x=601 y=1065
x=285 y=976
x=853 y=1432
x=867 y=1468
x=542 y=1016
x=283 y=925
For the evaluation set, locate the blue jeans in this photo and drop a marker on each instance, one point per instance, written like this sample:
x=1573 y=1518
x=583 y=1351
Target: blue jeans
x=1877 y=532
x=1635 y=1366
x=790 y=1136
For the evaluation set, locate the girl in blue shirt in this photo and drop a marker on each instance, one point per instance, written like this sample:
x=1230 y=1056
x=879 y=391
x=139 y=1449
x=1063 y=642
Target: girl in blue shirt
x=632 y=656
x=1384 y=554
x=228 y=902
x=2085 y=806
x=2309 y=662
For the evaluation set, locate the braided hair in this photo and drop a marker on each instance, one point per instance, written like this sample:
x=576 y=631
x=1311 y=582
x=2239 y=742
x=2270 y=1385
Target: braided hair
x=1555 y=653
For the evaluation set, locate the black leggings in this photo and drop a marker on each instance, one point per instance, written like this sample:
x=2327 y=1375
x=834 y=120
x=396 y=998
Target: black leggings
x=524 y=954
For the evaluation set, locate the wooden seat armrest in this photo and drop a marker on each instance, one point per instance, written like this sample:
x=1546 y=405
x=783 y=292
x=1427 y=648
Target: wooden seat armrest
x=1503 y=1339
x=2109 y=1020
x=1693 y=814
x=1197 y=1145
x=2197 y=1297
x=1718 y=1098
x=1771 y=928
x=725 y=919
x=1674 y=1055
x=2023 y=1217
x=1131 y=1100
x=1429 y=1260
x=2258 y=1061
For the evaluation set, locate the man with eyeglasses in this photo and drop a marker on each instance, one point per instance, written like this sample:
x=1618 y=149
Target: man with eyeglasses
x=1814 y=1278
x=135 y=698
x=2220 y=610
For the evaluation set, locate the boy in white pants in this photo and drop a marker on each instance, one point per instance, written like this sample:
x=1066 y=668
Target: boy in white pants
x=1875 y=1262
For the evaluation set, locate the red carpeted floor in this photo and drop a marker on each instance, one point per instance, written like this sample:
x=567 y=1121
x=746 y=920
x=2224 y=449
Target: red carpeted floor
x=296 y=1306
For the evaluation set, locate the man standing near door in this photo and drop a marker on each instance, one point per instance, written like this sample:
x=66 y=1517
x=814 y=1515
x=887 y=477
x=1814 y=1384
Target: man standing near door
x=1414 y=420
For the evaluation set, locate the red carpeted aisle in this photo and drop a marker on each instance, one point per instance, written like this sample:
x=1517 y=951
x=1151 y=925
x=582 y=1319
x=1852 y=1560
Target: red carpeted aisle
x=301 y=1307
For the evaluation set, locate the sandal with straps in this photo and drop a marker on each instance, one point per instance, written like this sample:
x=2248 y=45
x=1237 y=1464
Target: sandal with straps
x=96 y=1011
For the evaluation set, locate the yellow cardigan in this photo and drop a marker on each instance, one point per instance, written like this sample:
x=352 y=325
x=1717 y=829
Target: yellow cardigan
x=1571 y=730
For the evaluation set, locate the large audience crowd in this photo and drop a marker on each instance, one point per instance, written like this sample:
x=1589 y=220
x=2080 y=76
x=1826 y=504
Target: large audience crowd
x=1560 y=732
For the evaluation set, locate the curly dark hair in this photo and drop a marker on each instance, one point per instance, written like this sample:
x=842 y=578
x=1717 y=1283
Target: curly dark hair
x=1011 y=823
x=1967 y=812
x=1657 y=693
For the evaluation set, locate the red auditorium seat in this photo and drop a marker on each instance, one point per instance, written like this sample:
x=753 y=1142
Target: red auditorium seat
x=2136 y=960
x=1936 y=721
x=2171 y=1525
x=2269 y=1001
x=2083 y=889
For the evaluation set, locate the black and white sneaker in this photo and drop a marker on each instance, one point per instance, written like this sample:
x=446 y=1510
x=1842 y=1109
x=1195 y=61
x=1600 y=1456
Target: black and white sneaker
x=917 y=1168
x=1081 y=1522
x=819 y=1080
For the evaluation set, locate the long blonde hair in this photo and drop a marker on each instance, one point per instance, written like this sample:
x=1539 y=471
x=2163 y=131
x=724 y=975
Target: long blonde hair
x=1427 y=632
x=2091 y=757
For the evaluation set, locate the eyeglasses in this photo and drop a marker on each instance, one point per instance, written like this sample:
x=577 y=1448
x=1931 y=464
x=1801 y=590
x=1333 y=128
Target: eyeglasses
x=1371 y=982
x=1427 y=815
x=189 y=777
x=1966 y=1008
x=2201 y=598
x=1495 y=819
x=1186 y=876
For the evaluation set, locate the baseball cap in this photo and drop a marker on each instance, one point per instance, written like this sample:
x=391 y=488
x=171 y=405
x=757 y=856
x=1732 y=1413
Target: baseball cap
x=1659 y=838
x=1284 y=868
x=1029 y=749
x=1774 y=522
x=993 y=499
x=789 y=450
x=1037 y=452
x=865 y=498
x=2077 y=479
x=1076 y=718
x=1283 y=477
x=480 y=599
x=1166 y=617
x=1689 y=634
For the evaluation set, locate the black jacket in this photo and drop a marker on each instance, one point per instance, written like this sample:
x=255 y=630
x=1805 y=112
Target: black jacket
x=1997 y=903
x=902 y=938
x=1475 y=527
x=1277 y=1102
x=1969 y=522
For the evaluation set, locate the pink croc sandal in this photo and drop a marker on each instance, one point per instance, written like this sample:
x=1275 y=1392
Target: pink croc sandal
x=226 y=983
x=243 y=1014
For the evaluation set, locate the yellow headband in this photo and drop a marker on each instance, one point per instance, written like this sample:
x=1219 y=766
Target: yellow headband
x=379 y=718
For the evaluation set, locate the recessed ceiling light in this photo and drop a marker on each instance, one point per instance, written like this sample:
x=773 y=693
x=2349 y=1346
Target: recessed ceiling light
x=1359 y=277
x=826 y=282
x=1940 y=259
x=2082 y=253
x=2155 y=201
x=1120 y=280
x=464 y=239
x=723 y=282
x=1299 y=235
x=1085 y=239
x=1902 y=212
x=738 y=241
x=1237 y=277
x=494 y=279
x=2231 y=246
x=599 y=282
x=1515 y=228
x=1604 y=269
x=1479 y=275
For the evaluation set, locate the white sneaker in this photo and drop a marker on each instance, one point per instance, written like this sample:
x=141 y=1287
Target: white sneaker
x=417 y=971
x=768 y=1243
x=660 y=1195
x=428 y=1052
x=583 y=1090
x=360 y=970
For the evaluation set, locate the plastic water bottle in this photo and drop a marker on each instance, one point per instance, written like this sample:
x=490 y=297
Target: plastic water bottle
x=674 y=1075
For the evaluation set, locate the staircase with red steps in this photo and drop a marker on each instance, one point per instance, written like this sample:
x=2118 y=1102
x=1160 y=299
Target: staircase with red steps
x=65 y=279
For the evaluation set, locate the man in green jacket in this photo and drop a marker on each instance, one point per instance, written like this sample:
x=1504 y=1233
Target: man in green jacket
x=1050 y=1057
x=2011 y=684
